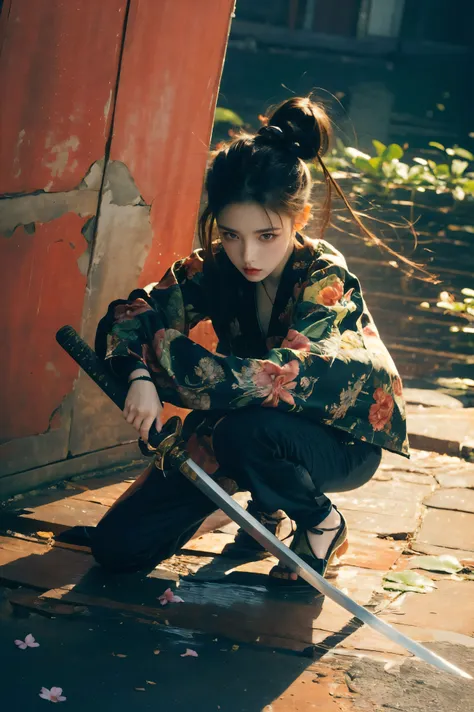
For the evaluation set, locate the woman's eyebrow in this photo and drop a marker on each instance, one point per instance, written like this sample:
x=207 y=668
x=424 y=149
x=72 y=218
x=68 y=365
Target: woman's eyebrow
x=263 y=229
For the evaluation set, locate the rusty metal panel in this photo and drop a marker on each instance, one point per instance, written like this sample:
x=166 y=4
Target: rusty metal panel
x=169 y=80
x=58 y=69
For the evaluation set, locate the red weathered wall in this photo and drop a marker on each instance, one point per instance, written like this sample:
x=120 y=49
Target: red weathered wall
x=60 y=69
x=163 y=120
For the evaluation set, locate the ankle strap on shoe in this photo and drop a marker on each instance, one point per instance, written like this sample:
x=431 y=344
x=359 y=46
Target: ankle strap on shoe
x=321 y=530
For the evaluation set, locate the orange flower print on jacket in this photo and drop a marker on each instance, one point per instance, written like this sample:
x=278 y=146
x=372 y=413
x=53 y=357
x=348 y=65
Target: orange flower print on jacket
x=331 y=295
x=276 y=382
x=329 y=292
x=380 y=413
x=125 y=312
x=296 y=341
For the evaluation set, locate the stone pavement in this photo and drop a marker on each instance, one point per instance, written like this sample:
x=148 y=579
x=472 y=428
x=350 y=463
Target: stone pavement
x=438 y=422
x=425 y=505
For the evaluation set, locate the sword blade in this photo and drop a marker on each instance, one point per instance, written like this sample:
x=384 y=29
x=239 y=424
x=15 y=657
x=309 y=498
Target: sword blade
x=207 y=485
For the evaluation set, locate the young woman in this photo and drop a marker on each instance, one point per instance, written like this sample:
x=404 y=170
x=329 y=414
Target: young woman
x=301 y=396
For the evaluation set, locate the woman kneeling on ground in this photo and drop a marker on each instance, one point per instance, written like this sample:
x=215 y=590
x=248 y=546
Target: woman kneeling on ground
x=301 y=396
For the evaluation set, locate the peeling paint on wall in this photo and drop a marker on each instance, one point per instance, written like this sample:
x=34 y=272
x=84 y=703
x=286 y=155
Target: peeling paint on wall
x=120 y=245
x=119 y=240
x=60 y=155
x=119 y=190
x=43 y=207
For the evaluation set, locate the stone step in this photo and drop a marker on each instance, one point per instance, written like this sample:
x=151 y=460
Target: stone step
x=442 y=430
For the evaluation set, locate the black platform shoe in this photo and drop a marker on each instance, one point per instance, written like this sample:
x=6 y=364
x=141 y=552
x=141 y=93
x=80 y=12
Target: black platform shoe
x=245 y=546
x=281 y=575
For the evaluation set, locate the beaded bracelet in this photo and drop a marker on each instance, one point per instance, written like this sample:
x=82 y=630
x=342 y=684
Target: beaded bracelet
x=140 y=378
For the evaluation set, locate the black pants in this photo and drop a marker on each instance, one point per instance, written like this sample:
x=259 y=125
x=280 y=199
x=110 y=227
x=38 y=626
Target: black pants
x=287 y=462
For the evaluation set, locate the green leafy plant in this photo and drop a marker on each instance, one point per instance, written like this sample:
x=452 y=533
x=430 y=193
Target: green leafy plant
x=384 y=171
x=227 y=116
x=448 y=303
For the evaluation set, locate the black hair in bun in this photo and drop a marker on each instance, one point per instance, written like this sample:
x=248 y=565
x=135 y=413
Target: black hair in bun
x=304 y=126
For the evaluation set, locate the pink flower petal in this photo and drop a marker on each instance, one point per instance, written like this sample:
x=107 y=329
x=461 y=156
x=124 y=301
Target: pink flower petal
x=45 y=694
x=62 y=699
x=56 y=691
x=29 y=642
x=177 y=599
x=189 y=654
x=169 y=597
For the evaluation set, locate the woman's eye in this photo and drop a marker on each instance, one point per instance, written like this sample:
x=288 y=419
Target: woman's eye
x=229 y=235
x=267 y=236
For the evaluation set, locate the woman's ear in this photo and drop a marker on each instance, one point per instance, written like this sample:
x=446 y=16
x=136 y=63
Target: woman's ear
x=303 y=217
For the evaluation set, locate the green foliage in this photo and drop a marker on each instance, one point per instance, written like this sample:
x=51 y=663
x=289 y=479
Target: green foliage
x=407 y=581
x=385 y=171
x=444 y=564
x=227 y=116
x=447 y=303
x=381 y=173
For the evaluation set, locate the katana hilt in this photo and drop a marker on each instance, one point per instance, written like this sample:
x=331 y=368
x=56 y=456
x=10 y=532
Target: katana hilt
x=164 y=444
x=169 y=440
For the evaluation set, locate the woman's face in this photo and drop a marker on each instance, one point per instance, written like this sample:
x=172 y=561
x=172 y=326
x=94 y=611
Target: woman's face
x=257 y=241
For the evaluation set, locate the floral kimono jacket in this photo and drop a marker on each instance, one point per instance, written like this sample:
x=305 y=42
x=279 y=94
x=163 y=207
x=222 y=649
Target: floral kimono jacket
x=322 y=358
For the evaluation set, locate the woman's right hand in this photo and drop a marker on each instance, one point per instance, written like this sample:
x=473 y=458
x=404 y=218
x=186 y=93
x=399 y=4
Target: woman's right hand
x=143 y=407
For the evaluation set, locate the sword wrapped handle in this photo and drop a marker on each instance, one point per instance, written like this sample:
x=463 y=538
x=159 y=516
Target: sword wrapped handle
x=68 y=338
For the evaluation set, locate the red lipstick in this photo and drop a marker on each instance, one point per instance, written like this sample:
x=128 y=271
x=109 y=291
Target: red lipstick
x=252 y=272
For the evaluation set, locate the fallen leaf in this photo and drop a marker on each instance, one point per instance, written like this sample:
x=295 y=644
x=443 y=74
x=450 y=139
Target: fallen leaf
x=189 y=654
x=235 y=647
x=119 y=655
x=45 y=535
x=139 y=689
x=150 y=682
x=407 y=581
x=156 y=652
x=444 y=563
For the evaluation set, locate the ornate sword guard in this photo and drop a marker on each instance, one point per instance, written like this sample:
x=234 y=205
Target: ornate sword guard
x=168 y=439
